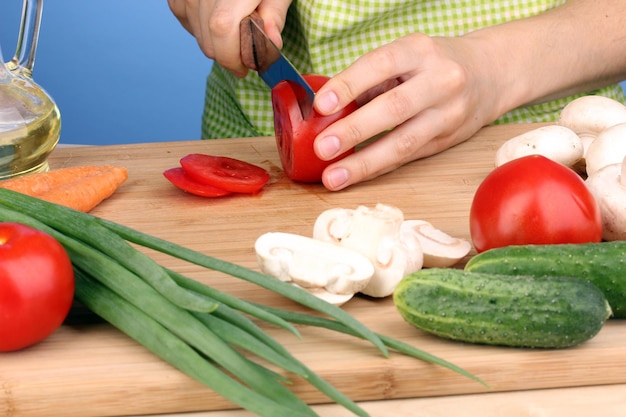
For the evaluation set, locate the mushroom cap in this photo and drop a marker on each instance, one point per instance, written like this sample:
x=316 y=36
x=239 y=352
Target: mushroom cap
x=439 y=249
x=590 y=115
x=609 y=147
x=558 y=143
x=606 y=185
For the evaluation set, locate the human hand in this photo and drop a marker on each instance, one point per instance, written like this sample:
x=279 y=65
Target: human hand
x=215 y=25
x=433 y=92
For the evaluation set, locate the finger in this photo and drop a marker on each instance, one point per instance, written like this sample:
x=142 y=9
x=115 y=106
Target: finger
x=179 y=10
x=423 y=136
x=370 y=70
x=381 y=156
x=274 y=15
x=219 y=32
x=382 y=113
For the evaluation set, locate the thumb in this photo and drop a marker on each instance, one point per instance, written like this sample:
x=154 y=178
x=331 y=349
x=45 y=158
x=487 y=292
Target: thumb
x=274 y=15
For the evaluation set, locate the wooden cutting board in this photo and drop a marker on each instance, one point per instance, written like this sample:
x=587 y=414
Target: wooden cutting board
x=94 y=370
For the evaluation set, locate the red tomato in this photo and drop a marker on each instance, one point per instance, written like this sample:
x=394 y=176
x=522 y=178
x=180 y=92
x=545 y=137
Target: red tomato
x=533 y=200
x=226 y=173
x=180 y=179
x=295 y=135
x=36 y=286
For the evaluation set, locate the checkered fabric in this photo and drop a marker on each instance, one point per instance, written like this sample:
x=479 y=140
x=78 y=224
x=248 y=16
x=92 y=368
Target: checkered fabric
x=325 y=36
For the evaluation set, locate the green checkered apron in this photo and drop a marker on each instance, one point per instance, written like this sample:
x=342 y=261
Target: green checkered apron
x=325 y=36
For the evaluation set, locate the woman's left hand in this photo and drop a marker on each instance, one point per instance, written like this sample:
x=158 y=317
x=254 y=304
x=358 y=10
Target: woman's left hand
x=423 y=94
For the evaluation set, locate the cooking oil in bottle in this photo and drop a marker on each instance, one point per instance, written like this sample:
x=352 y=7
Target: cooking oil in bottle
x=30 y=125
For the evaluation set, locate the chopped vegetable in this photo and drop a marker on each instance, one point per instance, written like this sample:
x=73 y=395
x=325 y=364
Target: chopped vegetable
x=295 y=134
x=81 y=188
x=226 y=173
x=440 y=249
x=180 y=179
x=375 y=233
x=330 y=272
x=110 y=281
x=216 y=176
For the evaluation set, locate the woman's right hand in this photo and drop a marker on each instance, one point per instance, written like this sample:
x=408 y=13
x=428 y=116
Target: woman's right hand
x=215 y=25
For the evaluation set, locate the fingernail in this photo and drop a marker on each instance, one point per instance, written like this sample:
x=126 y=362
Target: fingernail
x=337 y=178
x=327 y=102
x=328 y=147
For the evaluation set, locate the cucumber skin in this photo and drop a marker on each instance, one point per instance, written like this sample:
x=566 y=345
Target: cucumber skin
x=525 y=312
x=603 y=264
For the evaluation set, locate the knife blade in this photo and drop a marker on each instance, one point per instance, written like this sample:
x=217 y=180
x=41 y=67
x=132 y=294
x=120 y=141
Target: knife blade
x=260 y=54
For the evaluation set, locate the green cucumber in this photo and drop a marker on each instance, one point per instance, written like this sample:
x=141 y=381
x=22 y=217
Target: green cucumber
x=534 y=312
x=602 y=264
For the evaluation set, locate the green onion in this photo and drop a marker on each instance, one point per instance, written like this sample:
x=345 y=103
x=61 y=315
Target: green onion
x=398 y=345
x=194 y=327
x=294 y=293
x=179 y=321
x=84 y=228
x=170 y=348
x=232 y=301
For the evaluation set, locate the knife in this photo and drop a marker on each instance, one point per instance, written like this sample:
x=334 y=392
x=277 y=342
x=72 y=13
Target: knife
x=260 y=54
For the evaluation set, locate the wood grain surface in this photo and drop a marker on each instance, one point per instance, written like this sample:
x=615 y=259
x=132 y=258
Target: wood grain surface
x=94 y=370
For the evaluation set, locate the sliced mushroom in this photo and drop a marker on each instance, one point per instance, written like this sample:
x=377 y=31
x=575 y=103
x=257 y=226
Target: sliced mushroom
x=315 y=265
x=332 y=224
x=374 y=233
x=440 y=249
x=590 y=115
x=329 y=297
x=555 y=142
x=608 y=186
x=608 y=148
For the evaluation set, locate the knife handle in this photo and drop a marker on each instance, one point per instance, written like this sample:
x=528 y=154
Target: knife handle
x=254 y=47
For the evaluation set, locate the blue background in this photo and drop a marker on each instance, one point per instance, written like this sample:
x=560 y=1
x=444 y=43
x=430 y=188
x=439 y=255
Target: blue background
x=121 y=71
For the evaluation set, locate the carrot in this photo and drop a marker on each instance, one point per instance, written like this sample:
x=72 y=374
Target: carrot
x=81 y=188
x=39 y=183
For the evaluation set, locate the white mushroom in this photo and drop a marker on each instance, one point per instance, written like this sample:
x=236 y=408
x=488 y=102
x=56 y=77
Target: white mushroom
x=319 y=267
x=590 y=115
x=374 y=233
x=608 y=148
x=608 y=186
x=555 y=142
x=329 y=297
x=332 y=224
x=440 y=249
